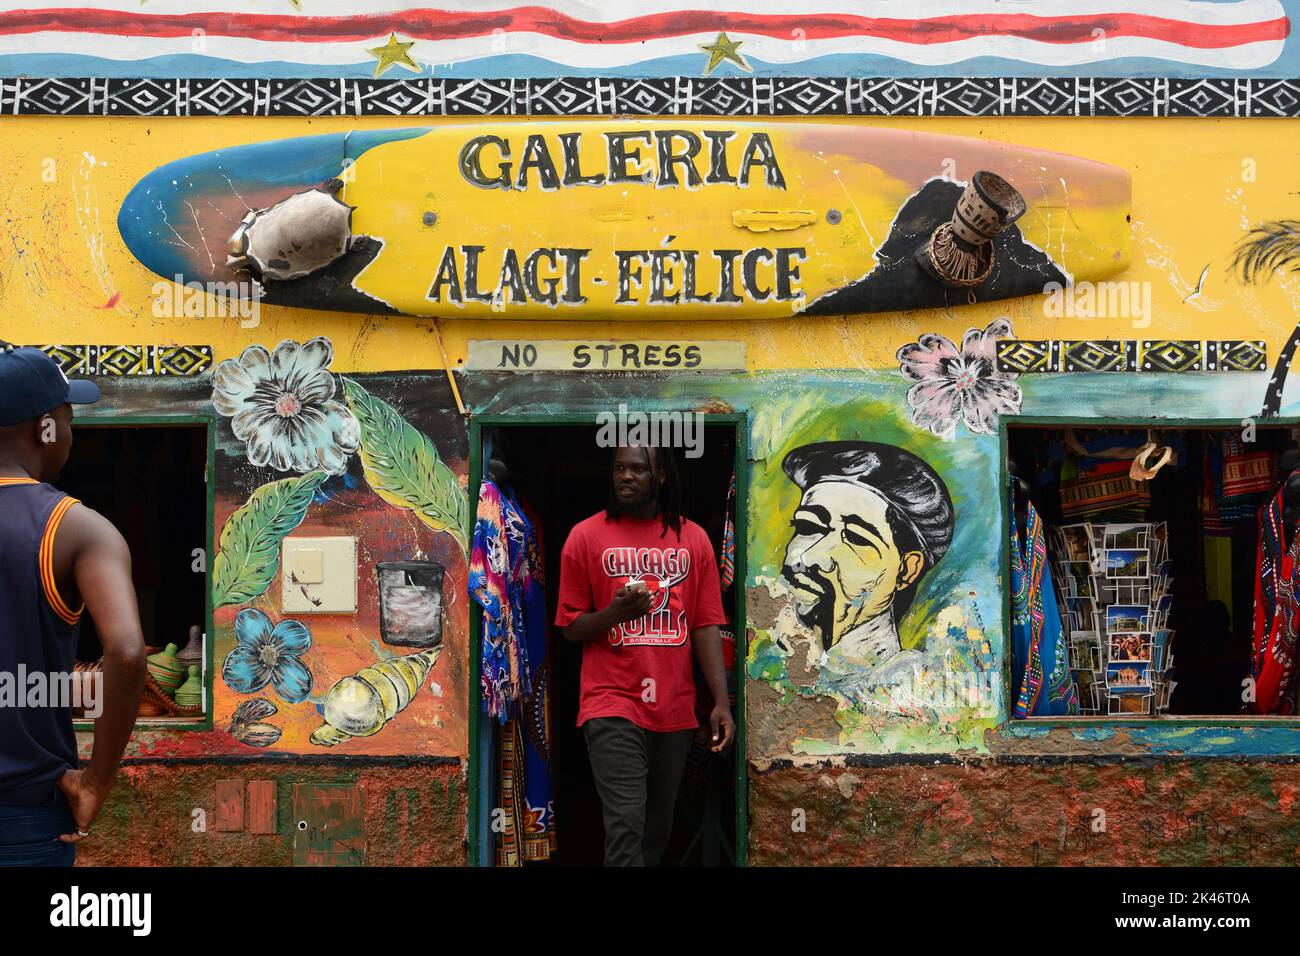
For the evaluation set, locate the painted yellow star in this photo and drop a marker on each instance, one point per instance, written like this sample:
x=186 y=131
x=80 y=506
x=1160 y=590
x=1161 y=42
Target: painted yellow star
x=392 y=53
x=724 y=48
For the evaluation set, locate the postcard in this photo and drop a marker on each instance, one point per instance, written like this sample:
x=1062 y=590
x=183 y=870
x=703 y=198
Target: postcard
x=1129 y=647
x=1127 y=563
x=1128 y=677
x=1127 y=617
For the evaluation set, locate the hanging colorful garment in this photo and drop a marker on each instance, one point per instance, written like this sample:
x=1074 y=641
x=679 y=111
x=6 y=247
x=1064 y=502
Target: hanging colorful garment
x=1274 y=648
x=1105 y=490
x=1039 y=654
x=1247 y=480
x=526 y=830
x=1213 y=524
x=727 y=557
x=498 y=576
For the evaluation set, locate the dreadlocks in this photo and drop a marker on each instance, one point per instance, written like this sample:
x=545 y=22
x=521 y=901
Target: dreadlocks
x=668 y=500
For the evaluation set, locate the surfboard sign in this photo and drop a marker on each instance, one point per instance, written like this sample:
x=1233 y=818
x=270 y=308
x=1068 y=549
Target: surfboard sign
x=680 y=219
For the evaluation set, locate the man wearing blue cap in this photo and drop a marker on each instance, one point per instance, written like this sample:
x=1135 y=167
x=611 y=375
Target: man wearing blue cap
x=55 y=555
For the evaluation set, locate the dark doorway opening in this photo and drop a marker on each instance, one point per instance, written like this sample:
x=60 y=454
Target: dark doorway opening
x=149 y=481
x=563 y=476
x=1183 y=622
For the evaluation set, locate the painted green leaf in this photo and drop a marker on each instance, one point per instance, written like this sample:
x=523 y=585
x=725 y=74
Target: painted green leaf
x=249 y=553
x=403 y=467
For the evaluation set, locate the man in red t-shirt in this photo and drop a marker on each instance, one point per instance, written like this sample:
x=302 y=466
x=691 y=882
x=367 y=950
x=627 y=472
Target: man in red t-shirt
x=639 y=587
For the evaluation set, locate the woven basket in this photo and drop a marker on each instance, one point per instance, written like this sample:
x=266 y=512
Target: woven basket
x=153 y=693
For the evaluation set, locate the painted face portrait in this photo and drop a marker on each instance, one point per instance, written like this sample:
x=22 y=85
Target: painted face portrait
x=872 y=521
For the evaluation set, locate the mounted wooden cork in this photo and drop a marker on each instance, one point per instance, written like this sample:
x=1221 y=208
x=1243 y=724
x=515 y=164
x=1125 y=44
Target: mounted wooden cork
x=960 y=251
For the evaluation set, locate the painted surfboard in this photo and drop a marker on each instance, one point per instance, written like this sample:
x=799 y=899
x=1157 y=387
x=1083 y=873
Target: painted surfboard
x=681 y=219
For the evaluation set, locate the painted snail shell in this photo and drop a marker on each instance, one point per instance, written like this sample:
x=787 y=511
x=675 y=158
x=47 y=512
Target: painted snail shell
x=362 y=704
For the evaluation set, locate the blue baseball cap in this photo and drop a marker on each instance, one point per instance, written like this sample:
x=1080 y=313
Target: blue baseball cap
x=31 y=384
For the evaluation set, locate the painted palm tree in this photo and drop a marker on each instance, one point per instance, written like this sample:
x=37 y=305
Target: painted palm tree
x=1269 y=248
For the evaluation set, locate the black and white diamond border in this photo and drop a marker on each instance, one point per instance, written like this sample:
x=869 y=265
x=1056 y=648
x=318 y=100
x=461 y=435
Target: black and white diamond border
x=667 y=96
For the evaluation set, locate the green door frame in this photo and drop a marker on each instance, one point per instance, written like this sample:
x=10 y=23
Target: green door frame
x=1066 y=421
x=479 y=845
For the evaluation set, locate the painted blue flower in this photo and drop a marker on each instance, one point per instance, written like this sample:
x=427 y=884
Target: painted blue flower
x=266 y=656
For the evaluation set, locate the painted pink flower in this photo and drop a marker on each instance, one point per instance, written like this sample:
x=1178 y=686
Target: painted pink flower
x=959 y=384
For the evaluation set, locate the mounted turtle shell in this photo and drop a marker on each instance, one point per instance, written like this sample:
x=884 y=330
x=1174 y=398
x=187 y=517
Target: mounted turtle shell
x=293 y=238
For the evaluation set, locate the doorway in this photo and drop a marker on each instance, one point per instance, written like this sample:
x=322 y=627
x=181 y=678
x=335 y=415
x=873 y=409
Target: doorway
x=149 y=478
x=1152 y=534
x=554 y=465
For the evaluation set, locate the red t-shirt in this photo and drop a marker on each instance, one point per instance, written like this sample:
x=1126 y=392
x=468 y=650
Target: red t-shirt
x=641 y=669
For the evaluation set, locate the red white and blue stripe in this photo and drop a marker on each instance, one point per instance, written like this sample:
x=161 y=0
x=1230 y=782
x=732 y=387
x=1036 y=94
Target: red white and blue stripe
x=651 y=37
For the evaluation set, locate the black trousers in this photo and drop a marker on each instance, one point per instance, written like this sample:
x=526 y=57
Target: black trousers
x=637 y=775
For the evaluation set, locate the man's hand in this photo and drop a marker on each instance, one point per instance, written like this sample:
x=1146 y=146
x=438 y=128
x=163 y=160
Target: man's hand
x=85 y=797
x=723 y=726
x=628 y=604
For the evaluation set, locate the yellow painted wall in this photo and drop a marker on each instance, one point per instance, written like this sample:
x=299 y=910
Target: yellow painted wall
x=66 y=276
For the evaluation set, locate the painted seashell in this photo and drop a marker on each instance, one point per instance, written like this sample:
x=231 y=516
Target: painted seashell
x=362 y=705
x=247 y=725
x=165 y=669
x=258 y=734
x=295 y=237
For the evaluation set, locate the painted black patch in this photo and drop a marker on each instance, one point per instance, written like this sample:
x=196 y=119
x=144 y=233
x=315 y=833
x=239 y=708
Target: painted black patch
x=331 y=287
x=899 y=283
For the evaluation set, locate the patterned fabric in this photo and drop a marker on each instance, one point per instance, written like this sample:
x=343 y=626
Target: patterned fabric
x=1040 y=657
x=506 y=580
x=1245 y=472
x=498 y=575
x=1106 y=489
x=1274 y=649
x=727 y=559
x=1213 y=524
x=535 y=821
x=1247 y=480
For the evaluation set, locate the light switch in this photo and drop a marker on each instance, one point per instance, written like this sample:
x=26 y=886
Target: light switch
x=309 y=566
x=319 y=575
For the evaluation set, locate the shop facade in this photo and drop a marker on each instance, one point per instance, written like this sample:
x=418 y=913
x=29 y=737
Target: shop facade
x=738 y=244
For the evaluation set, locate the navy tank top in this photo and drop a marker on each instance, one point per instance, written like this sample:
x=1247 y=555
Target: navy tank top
x=38 y=635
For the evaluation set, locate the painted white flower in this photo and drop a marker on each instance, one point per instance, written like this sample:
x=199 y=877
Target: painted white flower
x=965 y=384
x=282 y=407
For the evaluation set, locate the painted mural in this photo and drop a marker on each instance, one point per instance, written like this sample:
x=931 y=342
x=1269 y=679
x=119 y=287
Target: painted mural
x=931 y=383
x=382 y=38
x=874 y=597
x=324 y=681
x=1273 y=249
x=554 y=221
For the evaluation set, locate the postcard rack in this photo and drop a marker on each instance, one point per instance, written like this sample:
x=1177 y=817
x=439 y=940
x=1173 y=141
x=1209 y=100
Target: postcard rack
x=1113 y=586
